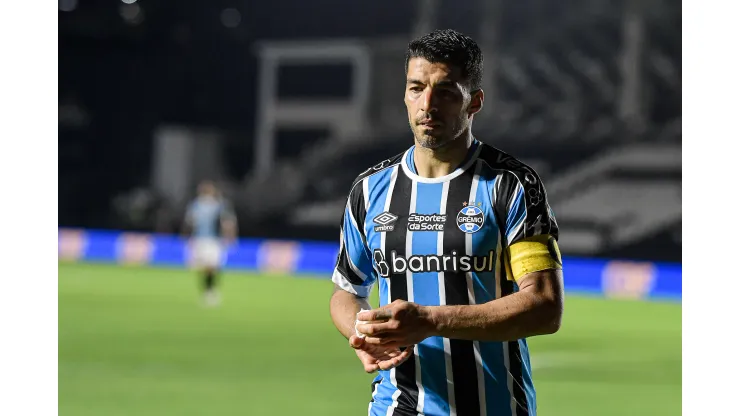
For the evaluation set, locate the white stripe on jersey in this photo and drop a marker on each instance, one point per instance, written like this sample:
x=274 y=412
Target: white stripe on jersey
x=471 y=297
x=370 y=406
x=366 y=191
x=443 y=301
x=496 y=185
x=516 y=229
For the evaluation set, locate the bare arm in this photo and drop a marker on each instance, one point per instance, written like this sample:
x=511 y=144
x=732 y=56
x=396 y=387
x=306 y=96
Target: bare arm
x=536 y=309
x=344 y=307
x=229 y=229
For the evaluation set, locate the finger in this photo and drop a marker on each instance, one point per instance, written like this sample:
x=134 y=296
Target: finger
x=381 y=328
x=392 y=353
x=369 y=368
x=389 y=342
x=401 y=358
x=381 y=314
x=356 y=342
x=369 y=362
x=386 y=365
x=374 y=353
x=395 y=362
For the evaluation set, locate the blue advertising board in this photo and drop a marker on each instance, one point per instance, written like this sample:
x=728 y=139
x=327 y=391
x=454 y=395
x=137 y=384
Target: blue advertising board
x=611 y=278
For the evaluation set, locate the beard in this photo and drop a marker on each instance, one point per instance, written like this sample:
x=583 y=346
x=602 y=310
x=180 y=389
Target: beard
x=431 y=142
x=438 y=139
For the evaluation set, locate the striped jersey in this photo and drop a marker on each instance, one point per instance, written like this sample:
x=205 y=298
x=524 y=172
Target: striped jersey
x=442 y=241
x=205 y=214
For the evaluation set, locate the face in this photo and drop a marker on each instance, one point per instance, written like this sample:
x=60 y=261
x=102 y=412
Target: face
x=207 y=189
x=439 y=104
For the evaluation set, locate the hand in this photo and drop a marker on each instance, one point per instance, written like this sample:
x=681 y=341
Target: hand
x=403 y=324
x=375 y=357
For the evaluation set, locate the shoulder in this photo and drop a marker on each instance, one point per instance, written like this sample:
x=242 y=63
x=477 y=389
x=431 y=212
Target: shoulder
x=513 y=179
x=357 y=199
x=377 y=168
x=502 y=162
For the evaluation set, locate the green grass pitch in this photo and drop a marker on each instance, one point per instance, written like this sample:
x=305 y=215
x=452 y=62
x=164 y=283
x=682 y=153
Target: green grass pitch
x=136 y=341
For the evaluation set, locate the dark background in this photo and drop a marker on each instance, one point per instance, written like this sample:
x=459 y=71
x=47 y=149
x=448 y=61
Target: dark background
x=587 y=92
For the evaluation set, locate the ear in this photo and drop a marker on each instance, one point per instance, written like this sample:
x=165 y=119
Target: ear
x=476 y=102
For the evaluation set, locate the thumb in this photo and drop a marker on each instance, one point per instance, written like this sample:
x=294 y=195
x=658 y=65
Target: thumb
x=356 y=342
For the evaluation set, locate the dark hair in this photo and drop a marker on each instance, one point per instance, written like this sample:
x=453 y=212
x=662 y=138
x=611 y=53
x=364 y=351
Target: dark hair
x=452 y=48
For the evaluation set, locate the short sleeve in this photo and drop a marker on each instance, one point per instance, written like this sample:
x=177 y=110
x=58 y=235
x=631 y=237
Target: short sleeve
x=354 y=271
x=529 y=225
x=524 y=208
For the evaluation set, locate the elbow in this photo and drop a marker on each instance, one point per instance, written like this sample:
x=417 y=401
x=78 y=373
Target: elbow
x=552 y=316
x=552 y=326
x=547 y=299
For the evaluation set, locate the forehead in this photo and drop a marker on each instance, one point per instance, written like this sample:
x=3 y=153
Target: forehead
x=425 y=71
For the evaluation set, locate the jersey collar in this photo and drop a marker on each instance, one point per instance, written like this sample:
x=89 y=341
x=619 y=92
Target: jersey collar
x=410 y=169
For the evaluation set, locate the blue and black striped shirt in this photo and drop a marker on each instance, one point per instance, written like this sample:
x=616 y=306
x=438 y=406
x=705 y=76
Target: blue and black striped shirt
x=442 y=241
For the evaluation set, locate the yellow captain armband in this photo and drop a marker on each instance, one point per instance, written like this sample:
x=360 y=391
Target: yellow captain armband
x=533 y=254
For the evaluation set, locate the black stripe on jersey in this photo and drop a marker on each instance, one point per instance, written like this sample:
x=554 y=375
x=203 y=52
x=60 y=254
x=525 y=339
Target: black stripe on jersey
x=515 y=354
x=464 y=373
x=515 y=367
x=373 y=386
x=396 y=241
x=400 y=411
x=345 y=269
x=506 y=187
x=357 y=208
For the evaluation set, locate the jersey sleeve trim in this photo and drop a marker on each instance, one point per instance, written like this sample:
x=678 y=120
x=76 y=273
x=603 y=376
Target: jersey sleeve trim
x=343 y=283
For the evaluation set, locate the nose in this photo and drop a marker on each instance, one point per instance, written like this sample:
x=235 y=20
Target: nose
x=428 y=103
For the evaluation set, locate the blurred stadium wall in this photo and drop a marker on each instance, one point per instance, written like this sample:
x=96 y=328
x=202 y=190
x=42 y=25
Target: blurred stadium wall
x=300 y=97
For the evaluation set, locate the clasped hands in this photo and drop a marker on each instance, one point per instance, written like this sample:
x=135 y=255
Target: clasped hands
x=390 y=331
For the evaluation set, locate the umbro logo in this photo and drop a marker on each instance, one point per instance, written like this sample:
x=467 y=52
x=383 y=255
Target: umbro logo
x=385 y=222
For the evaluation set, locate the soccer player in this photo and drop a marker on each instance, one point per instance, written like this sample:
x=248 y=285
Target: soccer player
x=212 y=224
x=463 y=245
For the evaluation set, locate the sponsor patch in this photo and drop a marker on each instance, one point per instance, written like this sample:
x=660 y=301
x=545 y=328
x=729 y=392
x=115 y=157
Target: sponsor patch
x=426 y=222
x=386 y=222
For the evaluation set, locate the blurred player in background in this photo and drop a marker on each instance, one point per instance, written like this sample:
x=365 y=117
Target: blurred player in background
x=461 y=240
x=211 y=223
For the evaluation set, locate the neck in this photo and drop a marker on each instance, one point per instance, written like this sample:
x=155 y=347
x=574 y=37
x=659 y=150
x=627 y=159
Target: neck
x=435 y=163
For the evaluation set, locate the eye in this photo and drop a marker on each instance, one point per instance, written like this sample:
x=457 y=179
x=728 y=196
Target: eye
x=416 y=89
